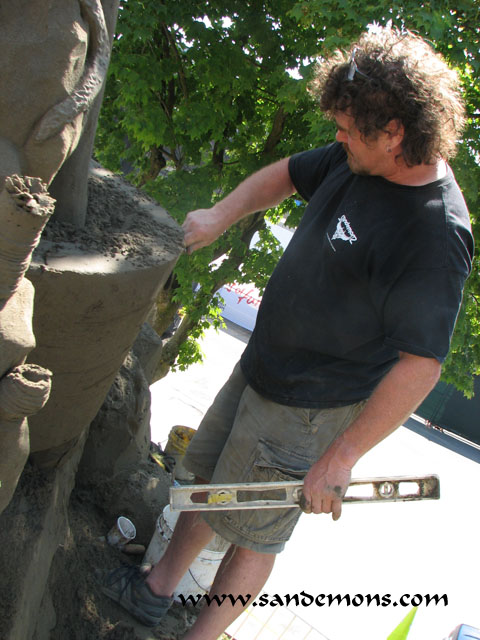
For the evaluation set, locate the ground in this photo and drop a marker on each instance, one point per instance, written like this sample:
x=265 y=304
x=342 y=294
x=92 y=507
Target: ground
x=83 y=612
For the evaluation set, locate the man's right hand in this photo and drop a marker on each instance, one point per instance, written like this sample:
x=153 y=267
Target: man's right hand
x=201 y=228
x=260 y=191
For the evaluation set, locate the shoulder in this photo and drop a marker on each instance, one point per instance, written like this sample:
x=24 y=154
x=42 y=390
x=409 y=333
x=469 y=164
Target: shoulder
x=434 y=229
x=458 y=227
x=309 y=168
x=327 y=157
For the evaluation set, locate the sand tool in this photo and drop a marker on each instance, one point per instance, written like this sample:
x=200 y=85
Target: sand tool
x=256 y=495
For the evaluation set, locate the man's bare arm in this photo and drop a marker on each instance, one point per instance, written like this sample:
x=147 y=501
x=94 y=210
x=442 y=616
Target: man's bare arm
x=392 y=402
x=262 y=190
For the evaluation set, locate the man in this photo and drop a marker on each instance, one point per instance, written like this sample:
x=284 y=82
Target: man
x=354 y=323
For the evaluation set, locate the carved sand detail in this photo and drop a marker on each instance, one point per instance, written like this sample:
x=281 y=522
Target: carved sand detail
x=23 y=392
x=25 y=208
x=96 y=278
x=82 y=97
x=68 y=72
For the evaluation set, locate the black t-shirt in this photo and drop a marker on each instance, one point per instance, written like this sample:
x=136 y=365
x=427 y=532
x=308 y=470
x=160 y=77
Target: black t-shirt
x=374 y=268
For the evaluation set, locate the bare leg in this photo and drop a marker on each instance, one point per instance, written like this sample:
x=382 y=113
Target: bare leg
x=190 y=536
x=242 y=572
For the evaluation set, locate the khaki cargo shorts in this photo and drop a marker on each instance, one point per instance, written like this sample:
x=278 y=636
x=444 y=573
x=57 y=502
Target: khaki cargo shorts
x=245 y=437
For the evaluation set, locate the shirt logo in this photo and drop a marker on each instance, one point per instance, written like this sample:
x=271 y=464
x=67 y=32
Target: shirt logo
x=344 y=231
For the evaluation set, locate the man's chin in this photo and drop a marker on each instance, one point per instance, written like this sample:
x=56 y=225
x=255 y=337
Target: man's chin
x=354 y=168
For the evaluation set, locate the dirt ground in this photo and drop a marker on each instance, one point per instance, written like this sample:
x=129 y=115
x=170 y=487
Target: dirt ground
x=83 y=612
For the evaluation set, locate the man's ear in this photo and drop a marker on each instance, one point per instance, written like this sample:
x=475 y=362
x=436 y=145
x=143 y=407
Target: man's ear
x=395 y=132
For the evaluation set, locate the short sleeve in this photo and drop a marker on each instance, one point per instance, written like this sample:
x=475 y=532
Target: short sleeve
x=420 y=311
x=309 y=168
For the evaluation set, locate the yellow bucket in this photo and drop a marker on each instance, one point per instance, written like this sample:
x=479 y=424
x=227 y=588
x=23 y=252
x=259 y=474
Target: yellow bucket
x=178 y=441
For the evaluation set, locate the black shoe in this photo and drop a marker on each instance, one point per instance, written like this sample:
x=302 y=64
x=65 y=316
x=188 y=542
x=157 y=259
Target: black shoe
x=127 y=586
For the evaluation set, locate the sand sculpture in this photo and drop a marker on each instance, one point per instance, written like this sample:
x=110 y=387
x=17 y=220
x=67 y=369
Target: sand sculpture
x=83 y=256
x=25 y=208
x=39 y=129
x=54 y=60
x=90 y=297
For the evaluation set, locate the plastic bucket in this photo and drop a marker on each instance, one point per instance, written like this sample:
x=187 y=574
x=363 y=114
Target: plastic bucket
x=178 y=441
x=201 y=573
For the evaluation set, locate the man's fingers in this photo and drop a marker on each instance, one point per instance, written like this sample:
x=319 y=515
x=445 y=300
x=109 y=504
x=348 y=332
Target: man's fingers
x=336 y=509
x=325 y=500
x=188 y=241
x=319 y=506
x=324 y=506
x=194 y=246
x=305 y=505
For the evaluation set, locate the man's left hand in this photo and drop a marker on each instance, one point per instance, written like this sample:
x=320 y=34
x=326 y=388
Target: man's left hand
x=324 y=487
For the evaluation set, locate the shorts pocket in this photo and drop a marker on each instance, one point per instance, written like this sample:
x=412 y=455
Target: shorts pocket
x=271 y=463
x=274 y=463
x=275 y=458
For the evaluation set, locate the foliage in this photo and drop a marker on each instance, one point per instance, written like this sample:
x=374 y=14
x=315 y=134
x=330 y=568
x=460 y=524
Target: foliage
x=202 y=93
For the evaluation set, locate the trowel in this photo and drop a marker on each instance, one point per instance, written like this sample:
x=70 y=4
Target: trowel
x=213 y=497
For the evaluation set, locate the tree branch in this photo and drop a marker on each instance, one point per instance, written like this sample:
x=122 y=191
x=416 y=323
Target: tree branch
x=276 y=131
x=173 y=47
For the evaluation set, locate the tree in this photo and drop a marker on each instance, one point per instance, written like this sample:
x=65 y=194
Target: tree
x=202 y=93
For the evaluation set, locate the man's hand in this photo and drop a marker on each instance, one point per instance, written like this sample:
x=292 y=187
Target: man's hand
x=264 y=189
x=324 y=487
x=201 y=228
x=396 y=396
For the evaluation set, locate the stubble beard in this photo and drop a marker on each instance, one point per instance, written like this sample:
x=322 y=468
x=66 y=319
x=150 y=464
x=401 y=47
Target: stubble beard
x=359 y=171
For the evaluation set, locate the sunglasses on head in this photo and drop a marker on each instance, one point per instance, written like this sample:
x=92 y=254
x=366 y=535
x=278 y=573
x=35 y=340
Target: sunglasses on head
x=353 y=69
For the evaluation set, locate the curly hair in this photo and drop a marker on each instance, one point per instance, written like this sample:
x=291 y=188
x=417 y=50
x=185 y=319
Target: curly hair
x=391 y=74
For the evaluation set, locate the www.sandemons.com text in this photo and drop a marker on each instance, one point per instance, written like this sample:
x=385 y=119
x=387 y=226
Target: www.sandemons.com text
x=304 y=599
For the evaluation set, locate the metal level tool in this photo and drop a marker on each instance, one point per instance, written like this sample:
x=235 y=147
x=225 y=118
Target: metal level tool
x=255 y=495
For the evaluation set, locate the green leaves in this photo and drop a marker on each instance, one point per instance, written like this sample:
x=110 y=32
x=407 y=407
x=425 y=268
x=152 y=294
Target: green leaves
x=201 y=94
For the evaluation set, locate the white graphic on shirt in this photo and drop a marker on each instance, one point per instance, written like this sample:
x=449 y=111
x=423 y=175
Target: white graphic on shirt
x=344 y=231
